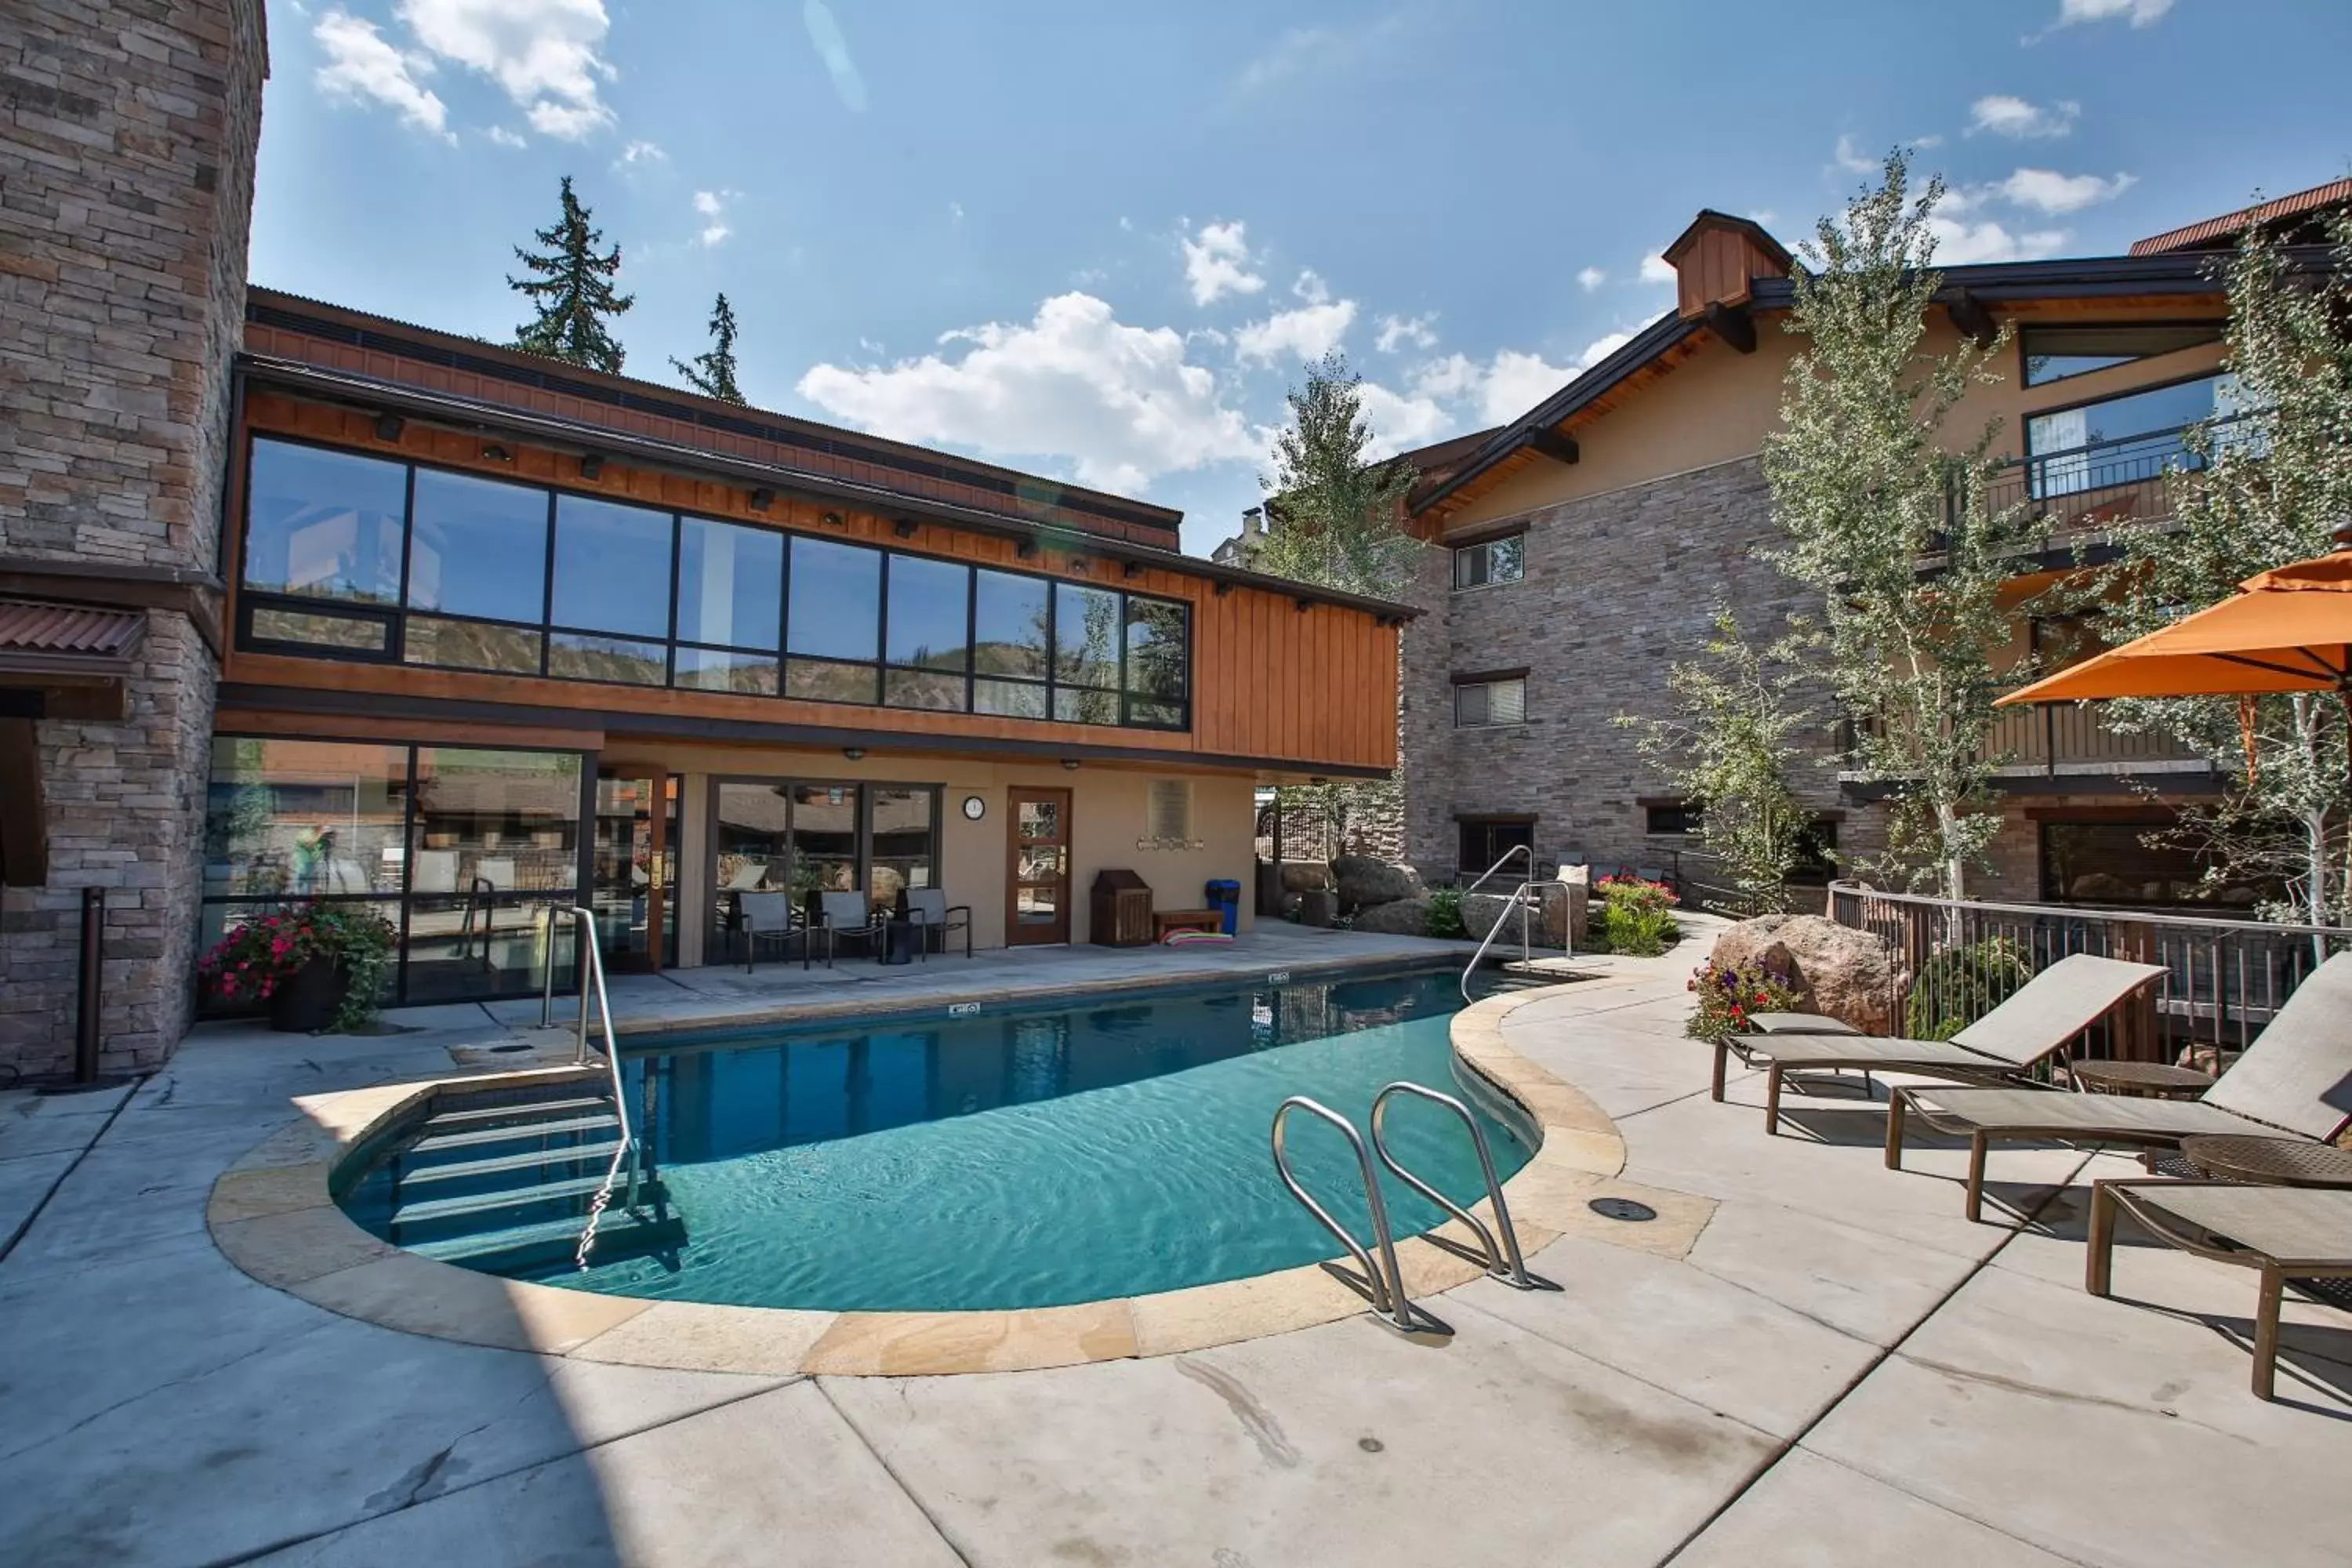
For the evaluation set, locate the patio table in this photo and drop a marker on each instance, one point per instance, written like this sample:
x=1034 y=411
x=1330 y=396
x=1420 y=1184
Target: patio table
x=2153 y=1081
x=2269 y=1162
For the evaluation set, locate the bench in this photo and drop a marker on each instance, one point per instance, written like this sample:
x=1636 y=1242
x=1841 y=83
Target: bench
x=1165 y=920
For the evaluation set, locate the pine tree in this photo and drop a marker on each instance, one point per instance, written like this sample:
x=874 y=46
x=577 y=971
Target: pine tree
x=572 y=290
x=713 y=374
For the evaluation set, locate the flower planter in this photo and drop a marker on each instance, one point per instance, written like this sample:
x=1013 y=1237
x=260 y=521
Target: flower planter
x=306 y=1000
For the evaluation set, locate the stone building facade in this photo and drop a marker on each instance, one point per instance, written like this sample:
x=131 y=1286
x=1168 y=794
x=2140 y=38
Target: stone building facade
x=128 y=132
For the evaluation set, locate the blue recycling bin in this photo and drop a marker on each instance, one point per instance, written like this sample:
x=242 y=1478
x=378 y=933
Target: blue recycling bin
x=1226 y=897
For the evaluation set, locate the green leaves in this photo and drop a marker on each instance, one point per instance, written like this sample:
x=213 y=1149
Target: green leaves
x=1332 y=515
x=572 y=288
x=713 y=374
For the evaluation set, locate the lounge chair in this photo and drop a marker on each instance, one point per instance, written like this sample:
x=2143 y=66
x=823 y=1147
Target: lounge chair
x=2296 y=1079
x=2033 y=1024
x=844 y=916
x=2282 y=1233
x=766 y=917
x=930 y=909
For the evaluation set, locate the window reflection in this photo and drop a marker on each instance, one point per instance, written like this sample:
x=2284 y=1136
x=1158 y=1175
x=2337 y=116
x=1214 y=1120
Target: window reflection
x=929 y=617
x=324 y=525
x=612 y=567
x=730 y=584
x=903 y=837
x=1010 y=630
x=479 y=548
x=836 y=600
x=304 y=819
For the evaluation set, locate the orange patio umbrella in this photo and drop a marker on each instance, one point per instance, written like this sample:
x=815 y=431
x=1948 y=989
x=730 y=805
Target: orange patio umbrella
x=2287 y=630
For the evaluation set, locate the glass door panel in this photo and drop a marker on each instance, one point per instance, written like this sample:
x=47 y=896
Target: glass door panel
x=1038 y=859
x=635 y=891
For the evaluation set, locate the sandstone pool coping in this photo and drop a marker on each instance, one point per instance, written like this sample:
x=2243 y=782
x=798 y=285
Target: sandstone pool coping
x=272 y=1215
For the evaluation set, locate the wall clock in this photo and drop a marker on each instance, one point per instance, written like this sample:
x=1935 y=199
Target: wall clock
x=974 y=808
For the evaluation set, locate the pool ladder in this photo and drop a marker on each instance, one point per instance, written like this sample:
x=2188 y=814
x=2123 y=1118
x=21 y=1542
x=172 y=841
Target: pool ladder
x=1383 y=1281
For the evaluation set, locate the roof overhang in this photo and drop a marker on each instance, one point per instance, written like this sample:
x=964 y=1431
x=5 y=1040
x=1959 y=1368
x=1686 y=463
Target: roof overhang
x=470 y=416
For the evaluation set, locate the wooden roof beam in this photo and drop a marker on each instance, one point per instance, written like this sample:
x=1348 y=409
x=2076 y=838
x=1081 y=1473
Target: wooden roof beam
x=1553 y=444
x=1733 y=324
x=1973 y=318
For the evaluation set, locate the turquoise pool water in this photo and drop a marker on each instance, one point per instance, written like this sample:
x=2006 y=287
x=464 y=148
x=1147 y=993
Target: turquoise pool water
x=1037 y=1157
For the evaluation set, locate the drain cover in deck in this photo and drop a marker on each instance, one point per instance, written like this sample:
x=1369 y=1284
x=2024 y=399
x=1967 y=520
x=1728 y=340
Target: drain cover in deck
x=1622 y=1208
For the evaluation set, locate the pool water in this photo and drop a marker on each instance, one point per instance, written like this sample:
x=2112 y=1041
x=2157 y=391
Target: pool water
x=1043 y=1156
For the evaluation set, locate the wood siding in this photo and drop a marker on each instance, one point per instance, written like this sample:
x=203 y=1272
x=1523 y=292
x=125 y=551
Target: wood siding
x=1283 y=687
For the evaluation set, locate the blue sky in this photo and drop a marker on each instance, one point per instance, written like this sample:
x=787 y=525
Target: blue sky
x=1097 y=241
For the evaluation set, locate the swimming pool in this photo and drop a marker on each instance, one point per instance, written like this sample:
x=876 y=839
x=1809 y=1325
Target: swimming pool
x=1029 y=1157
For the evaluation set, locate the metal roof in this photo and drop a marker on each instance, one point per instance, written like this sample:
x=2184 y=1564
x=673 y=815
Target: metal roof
x=78 y=635
x=2206 y=234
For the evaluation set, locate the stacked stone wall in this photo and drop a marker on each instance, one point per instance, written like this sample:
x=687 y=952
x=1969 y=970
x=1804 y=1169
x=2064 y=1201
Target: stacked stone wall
x=128 y=133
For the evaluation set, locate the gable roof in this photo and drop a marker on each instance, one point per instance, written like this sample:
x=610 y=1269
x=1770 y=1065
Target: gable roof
x=2221 y=232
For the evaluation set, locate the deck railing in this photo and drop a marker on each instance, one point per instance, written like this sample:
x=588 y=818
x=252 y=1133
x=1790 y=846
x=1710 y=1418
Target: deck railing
x=2224 y=979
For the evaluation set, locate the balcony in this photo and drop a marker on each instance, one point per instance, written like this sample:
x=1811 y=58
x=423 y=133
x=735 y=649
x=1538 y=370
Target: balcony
x=2080 y=499
x=2069 y=750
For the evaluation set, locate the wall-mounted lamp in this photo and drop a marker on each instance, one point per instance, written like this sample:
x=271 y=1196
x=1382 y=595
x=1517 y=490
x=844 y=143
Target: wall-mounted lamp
x=497 y=454
x=1318 y=781
x=1222 y=589
x=1027 y=550
x=591 y=464
x=388 y=427
x=904 y=528
x=1304 y=604
x=834 y=519
x=1070 y=765
x=1081 y=564
x=1131 y=570
x=762 y=498
x=855 y=754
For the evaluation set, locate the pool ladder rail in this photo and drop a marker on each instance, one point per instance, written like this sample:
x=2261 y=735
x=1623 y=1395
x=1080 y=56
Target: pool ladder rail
x=1383 y=1281
x=629 y=1152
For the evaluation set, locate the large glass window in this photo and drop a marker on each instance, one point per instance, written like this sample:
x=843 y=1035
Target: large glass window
x=478 y=548
x=612 y=568
x=730 y=585
x=2053 y=353
x=903 y=840
x=353 y=557
x=1492 y=560
x=2115 y=863
x=2126 y=439
x=324 y=525
x=460 y=850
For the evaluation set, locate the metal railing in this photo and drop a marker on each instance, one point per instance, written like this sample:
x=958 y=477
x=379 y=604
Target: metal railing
x=1383 y=1281
x=1503 y=1263
x=591 y=960
x=2052 y=740
x=2224 y=979
x=2109 y=484
x=1528 y=900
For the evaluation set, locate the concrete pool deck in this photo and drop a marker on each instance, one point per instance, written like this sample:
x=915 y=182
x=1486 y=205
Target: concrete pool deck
x=1838 y=1369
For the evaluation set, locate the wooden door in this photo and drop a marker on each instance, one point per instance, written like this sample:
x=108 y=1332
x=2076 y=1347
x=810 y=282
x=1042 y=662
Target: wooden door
x=1037 y=866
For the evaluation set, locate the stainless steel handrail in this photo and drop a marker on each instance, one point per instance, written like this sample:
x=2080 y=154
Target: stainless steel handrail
x=592 y=961
x=1525 y=898
x=1489 y=871
x=1384 y=1281
x=1504 y=1264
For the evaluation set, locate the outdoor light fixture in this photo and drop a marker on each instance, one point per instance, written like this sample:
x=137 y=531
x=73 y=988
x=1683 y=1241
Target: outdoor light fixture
x=1317 y=781
x=1079 y=563
x=497 y=454
x=834 y=519
x=1071 y=763
x=904 y=528
x=762 y=498
x=1131 y=570
x=855 y=754
x=388 y=427
x=1027 y=548
x=1304 y=604
x=590 y=465
x=1224 y=588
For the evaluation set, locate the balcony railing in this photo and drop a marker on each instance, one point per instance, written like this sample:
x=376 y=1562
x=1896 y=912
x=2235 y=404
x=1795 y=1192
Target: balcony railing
x=2107 y=487
x=2071 y=742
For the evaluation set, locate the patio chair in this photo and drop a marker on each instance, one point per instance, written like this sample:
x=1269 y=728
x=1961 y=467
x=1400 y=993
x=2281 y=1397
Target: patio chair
x=2282 y=1233
x=2028 y=1028
x=2294 y=1079
x=767 y=916
x=845 y=917
x=930 y=909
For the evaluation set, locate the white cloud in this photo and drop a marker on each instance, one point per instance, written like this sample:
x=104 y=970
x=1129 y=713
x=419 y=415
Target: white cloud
x=824 y=36
x=1119 y=404
x=2141 y=12
x=505 y=138
x=955 y=212
x=361 y=66
x=2045 y=190
x=1217 y=264
x=1959 y=244
x=1852 y=159
x=1311 y=287
x=712 y=207
x=1928 y=140
x=1591 y=277
x=1301 y=51
x=1399 y=331
x=1307 y=334
x=642 y=152
x=1602 y=347
x=544 y=53
x=2005 y=115
x=1499 y=389
x=1657 y=270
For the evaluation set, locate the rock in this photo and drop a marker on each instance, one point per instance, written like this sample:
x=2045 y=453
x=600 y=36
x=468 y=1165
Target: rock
x=1304 y=876
x=1317 y=908
x=1839 y=973
x=1398 y=917
x=1563 y=912
x=1361 y=880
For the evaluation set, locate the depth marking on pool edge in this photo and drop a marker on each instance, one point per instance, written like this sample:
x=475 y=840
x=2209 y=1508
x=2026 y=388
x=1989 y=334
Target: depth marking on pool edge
x=963 y=1009
x=1279 y=977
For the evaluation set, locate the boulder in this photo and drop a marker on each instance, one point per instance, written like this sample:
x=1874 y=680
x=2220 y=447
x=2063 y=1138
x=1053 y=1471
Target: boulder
x=1361 y=881
x=1562 y=913
x=1398 y=917
x=1304 y=876
x=1839 y=973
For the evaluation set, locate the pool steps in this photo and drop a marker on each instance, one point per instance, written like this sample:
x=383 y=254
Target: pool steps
x=481 y=1137
x=530 y=1159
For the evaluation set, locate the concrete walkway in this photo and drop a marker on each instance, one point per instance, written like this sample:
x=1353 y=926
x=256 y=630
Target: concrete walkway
x=1842 y=1369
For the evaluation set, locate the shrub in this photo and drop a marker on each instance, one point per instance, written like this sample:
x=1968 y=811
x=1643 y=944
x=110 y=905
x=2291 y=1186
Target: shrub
x=253 y=960
x=1727 y=998
x=1444 y=916
x=1637 y=916
x=1960 y=984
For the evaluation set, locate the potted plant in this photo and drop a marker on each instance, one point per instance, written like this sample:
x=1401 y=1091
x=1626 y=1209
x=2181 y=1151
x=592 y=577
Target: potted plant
x=316 y=965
